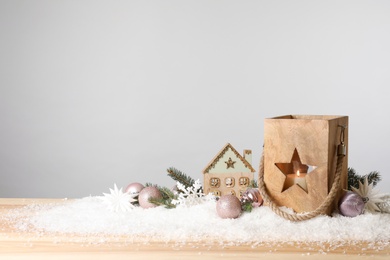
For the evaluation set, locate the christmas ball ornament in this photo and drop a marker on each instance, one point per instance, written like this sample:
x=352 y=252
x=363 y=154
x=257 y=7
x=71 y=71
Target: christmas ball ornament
x=253 y=196
x=228 y=206
x=134 y=188
x=351 y=204
x=146 y=194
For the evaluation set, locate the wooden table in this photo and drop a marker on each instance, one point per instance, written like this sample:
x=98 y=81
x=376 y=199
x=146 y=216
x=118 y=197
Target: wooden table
x=24 y=245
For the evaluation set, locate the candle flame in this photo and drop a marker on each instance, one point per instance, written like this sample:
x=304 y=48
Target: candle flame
x=298 y=173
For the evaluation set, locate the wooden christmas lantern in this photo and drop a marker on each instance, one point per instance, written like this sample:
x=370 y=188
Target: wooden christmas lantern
x=300 y=157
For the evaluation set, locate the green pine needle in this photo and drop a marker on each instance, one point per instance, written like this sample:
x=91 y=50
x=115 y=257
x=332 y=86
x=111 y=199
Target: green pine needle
x=373 y=177
x=354 y=178
x=167 y=196
x=162 y=202
x=167 y=193
x=181 y=177
x=253 y=184
x=247 y=206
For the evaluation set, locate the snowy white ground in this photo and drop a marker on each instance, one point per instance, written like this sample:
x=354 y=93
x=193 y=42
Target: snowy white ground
x=88 y=216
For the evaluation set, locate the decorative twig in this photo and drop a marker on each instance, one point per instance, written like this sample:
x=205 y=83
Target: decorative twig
x=181 y=177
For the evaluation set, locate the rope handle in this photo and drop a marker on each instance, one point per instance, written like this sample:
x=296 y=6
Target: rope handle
x=325 y=204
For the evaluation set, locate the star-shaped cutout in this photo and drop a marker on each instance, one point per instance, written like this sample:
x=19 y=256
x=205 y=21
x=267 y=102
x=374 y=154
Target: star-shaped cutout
x=294 y=168
x=230 y=163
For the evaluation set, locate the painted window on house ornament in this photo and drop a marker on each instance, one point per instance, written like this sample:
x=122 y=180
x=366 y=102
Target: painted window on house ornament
x=244 y=181
x=229 y=182
x=215 y=182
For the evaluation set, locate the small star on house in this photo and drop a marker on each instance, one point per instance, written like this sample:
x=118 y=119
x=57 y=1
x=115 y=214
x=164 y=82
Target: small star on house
x=230 y=163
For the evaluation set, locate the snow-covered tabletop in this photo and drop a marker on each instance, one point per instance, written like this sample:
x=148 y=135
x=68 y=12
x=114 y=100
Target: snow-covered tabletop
x=87 y=222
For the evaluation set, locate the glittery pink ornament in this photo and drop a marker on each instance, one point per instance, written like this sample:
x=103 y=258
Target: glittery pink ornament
x=145 y=194
x=252 y=195
x=134 y=188
x=351 y=204
x=228 y=206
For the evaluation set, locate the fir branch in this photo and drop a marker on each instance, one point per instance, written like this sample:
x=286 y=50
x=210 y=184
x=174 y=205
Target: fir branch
x=167 y=193
x=167 y=196
x=373 y=177
x=253 y=184
x=354 y=178
x=177 y=175
x=167 y=203
x=247 y=206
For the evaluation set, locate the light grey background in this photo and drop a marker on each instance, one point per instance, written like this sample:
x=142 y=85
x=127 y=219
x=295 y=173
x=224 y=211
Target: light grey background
x=94 y=93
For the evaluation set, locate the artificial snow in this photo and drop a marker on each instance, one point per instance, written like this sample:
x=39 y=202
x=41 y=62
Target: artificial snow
x=89 y=216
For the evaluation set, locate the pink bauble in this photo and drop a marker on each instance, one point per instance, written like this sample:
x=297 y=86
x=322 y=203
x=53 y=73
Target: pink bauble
x=134 y=188
x=253 y=196
x=351 y=204
x=145 y=194
x=229 y=206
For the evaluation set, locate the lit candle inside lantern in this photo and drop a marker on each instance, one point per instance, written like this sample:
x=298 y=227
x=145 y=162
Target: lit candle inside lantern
x=298 y=178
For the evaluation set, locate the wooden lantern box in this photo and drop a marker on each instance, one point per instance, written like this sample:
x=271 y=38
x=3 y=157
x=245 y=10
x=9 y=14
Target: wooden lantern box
x=306 y=146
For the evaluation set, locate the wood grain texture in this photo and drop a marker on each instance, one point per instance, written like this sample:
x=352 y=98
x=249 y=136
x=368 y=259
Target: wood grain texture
x=25 y=245
x=315 y=138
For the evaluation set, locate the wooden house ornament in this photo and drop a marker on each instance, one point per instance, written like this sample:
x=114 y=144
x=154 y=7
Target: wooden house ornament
x=229 y=172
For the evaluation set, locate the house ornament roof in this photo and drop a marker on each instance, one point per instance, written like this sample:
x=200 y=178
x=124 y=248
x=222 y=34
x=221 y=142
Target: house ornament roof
x=220 y=155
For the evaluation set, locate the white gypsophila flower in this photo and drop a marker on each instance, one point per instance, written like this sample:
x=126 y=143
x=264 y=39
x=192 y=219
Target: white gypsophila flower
x=117 y=200
x=385 y=205
x=370 y=196
x=191 y=196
